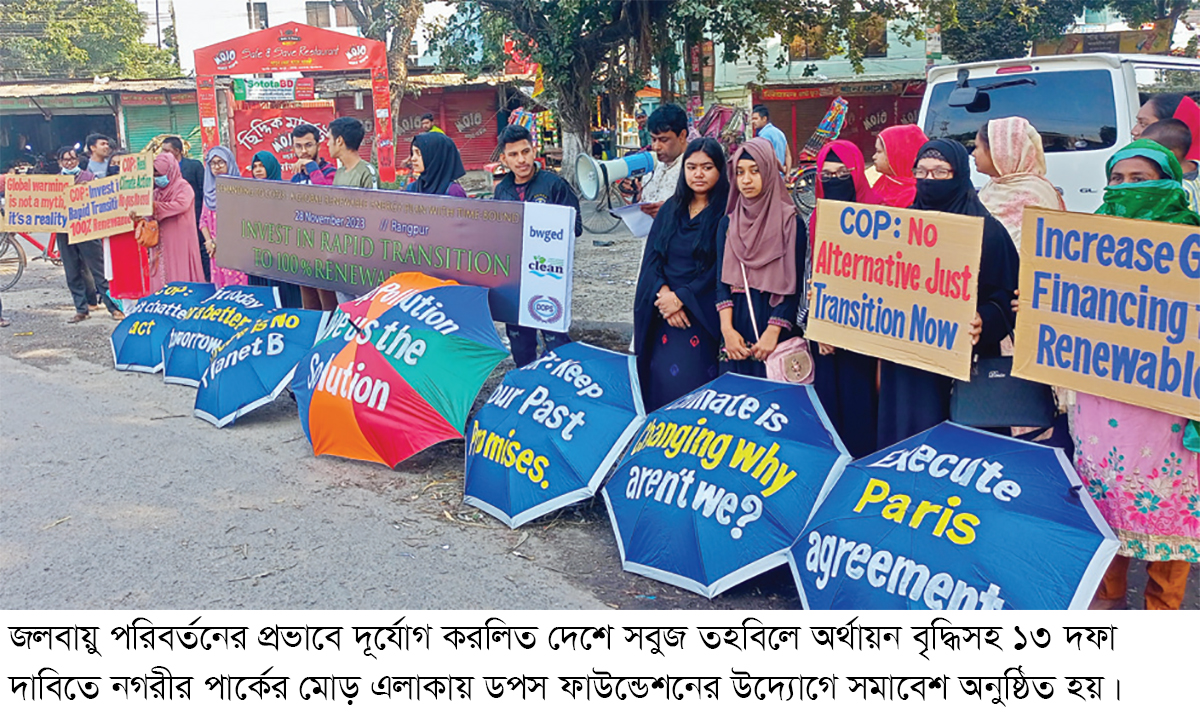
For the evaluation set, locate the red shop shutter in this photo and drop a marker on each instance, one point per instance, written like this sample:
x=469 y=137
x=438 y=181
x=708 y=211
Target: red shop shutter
x=471 y=123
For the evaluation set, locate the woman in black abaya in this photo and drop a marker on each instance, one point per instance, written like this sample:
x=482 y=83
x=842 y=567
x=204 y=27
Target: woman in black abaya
x=913 y=400
x=676 y=329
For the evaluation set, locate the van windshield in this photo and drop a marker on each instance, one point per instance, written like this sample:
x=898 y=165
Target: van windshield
x=1073 y=111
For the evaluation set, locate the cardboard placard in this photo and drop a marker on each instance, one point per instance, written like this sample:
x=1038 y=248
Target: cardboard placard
x=1111 y=307
x=897 y=284
x=35 y=202
x=101 y=207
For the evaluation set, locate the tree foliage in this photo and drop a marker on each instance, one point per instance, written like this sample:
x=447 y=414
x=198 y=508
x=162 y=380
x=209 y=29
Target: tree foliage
x=77 y=38
x=392 y=22
x=1001 y=29
x=1137 y=12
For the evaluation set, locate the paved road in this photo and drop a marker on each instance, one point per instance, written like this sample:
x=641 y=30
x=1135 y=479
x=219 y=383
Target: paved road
x=113 y=496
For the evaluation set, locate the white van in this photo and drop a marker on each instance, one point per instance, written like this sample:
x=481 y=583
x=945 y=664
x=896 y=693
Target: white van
x=1082 y=105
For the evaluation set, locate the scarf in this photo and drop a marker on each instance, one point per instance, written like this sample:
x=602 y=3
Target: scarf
x=210 y=179
x=898 y=188
x=955 y=195
x=762 y=230
x=270 y=163
x=847 y=153
x=1189 y=113
x=166 y=165
x=1016 y=150
x=1161 y=200
x=443 y=164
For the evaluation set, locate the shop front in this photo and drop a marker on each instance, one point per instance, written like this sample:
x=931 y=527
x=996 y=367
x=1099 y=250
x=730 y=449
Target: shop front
x=872 y=106
x=33 y=127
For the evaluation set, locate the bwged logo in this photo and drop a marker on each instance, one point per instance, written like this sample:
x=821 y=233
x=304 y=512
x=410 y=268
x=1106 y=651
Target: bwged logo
x=543 y=267
x=546 y=236
x=545 y=309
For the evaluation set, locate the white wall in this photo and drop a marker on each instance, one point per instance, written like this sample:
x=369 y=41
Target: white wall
x=205 y=22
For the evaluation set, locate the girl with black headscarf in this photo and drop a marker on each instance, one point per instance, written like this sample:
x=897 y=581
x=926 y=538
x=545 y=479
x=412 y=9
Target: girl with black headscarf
x=913 y=400
x=676 y=329
x=437 y=161
x=266 y=167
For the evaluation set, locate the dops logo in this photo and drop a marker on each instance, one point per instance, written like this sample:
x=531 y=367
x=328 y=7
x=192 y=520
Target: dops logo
x=226 y=59
x=545 y=308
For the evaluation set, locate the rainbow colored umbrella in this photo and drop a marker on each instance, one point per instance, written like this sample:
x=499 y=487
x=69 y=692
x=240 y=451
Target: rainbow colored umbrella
x=398 y=370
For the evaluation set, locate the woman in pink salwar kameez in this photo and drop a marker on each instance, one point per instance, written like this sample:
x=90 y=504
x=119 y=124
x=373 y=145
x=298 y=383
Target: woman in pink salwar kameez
x=177 y=255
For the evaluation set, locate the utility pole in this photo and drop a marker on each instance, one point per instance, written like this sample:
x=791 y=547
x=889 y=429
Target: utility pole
x=158 y=24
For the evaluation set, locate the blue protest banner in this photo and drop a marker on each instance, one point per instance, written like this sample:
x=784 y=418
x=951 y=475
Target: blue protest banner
x=958 y=519
x=204 y=328
x=138 y=340
x=719 y=483
x=551 y=431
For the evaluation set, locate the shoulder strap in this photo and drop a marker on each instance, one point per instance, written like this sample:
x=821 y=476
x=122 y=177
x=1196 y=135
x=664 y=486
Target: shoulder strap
x=750 y=303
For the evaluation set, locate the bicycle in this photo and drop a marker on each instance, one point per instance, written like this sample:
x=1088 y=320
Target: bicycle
x=12 y=261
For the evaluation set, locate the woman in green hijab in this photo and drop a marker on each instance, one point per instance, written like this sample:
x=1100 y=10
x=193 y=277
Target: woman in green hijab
x=1132 y=459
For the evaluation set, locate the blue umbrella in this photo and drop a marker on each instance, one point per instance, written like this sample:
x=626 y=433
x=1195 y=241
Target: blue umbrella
x=551 y=431
x=138 y=340
x=719 y=483
x=256 y=364
x=206 y=327
x=954 y=518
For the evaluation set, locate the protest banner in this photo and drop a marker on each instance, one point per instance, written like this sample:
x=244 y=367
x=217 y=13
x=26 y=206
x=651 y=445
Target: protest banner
x=101 y=207
x=352 y=240
x=264 y=129
x=1111 y=307
x=897 y=284
x=35 y=202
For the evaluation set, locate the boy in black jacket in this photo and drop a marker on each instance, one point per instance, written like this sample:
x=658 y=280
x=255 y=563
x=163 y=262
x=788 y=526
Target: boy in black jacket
x=526 y=183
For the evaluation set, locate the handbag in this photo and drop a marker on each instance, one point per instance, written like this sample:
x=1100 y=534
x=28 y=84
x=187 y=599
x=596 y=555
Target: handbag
x=994 y=398
x=791 y=361
x=146 y=233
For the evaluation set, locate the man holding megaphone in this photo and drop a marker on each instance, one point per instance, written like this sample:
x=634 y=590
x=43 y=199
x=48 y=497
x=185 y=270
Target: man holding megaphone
x=668 y=127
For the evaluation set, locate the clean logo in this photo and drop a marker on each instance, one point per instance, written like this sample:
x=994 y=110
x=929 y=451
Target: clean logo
x=543 y=267
x=545 y=309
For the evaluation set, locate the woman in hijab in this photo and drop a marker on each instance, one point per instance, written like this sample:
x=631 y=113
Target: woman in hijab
x=177 y=255
x=437 y=161
x=1010 y=151
x=913 y=400
x=266 y=166
x=676 y=329
x=845 y=380
x=1134 y=460
x=219 y=162
x=761 y=250
x=895 y=156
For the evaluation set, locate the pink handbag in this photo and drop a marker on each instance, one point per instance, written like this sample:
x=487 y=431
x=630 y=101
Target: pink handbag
x=791 y=361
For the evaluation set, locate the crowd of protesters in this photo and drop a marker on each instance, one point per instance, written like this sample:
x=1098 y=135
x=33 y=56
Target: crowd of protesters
x=724 y=274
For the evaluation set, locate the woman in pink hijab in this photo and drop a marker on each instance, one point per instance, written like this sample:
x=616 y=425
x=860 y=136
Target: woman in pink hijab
x=177 y=255
x=895 y=156
x=761 y=250
x=1010 y=151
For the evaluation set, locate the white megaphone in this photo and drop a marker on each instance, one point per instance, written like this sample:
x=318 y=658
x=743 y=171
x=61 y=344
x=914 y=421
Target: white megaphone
x=594 y=175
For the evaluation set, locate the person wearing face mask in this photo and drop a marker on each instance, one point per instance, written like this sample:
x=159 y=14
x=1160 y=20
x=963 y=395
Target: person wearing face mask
x=676 y=328
x=912 y=400
x=1140 y=465
x=83 y=263
x=761 y=250
x=177 y=255
x=845 y=380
